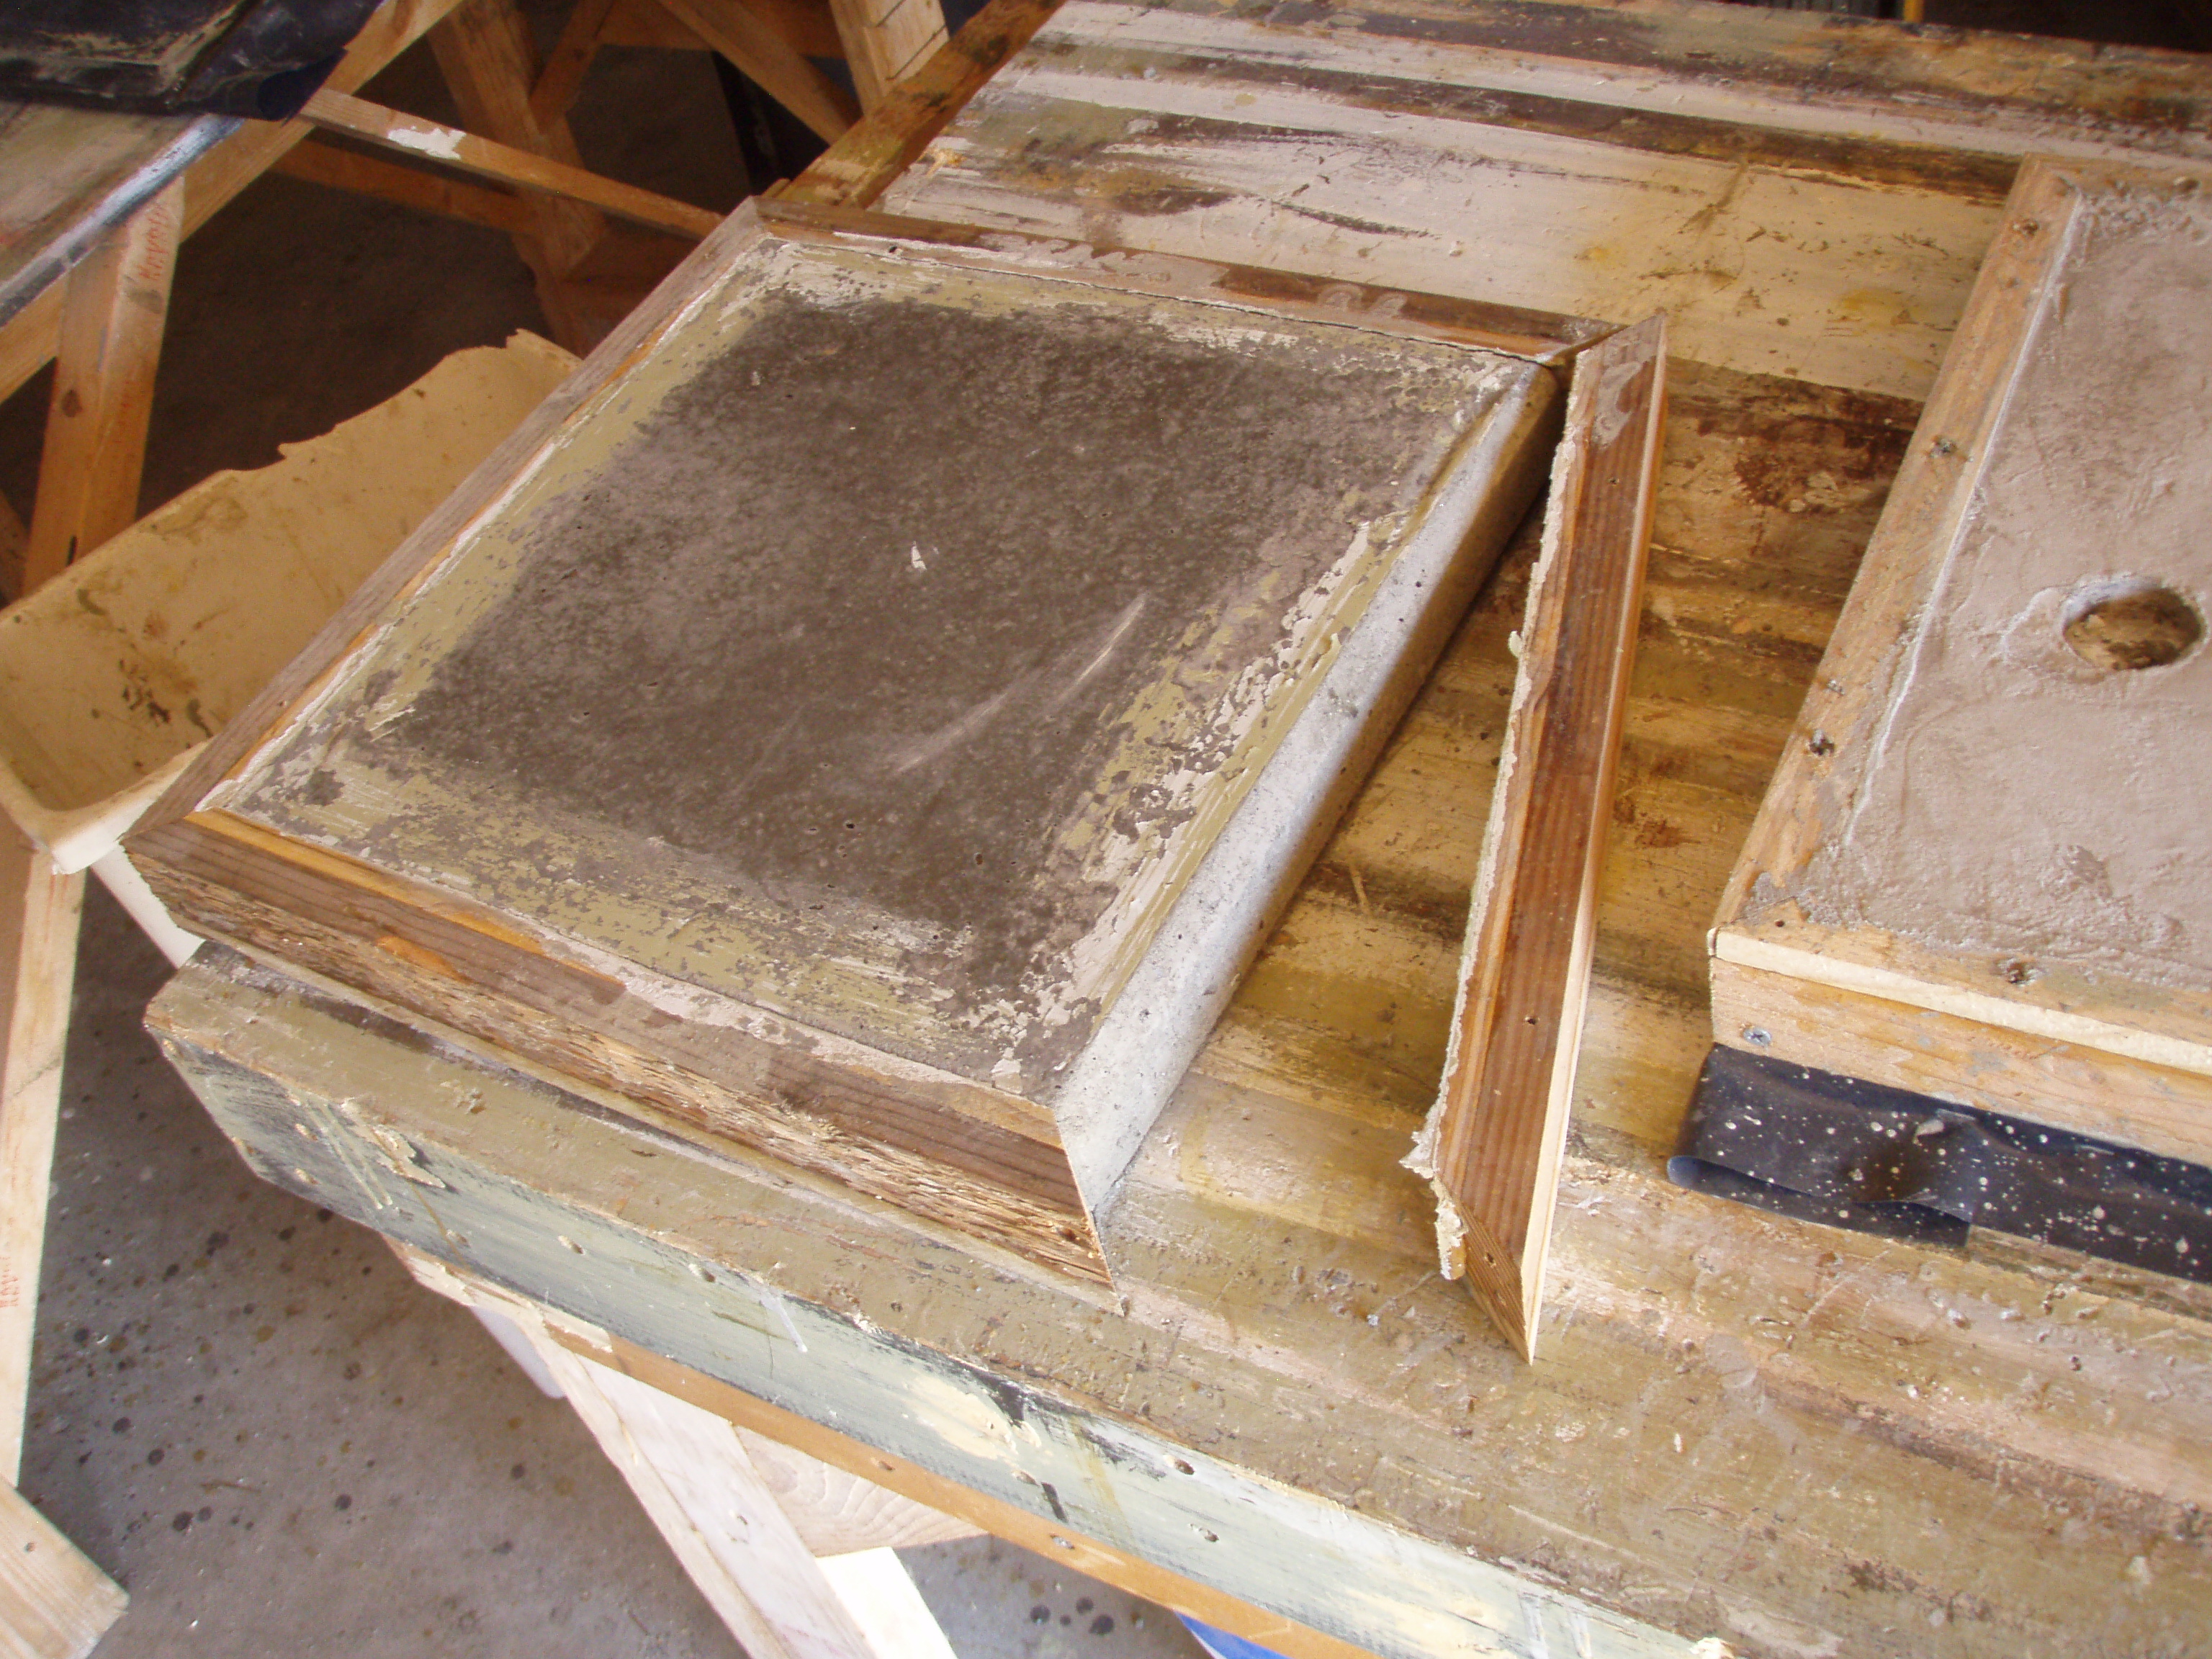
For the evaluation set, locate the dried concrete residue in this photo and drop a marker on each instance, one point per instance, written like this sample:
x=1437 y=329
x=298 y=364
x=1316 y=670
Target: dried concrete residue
x=2018 y=801
x=906 y=627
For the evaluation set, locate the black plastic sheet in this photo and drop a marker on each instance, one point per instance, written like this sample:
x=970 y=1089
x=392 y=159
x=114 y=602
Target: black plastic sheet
x=258 y=58
x=1827 y=1148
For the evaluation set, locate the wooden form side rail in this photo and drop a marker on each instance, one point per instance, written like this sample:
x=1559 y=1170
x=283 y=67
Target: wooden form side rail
x=1492 y=1148
x=1540 y=336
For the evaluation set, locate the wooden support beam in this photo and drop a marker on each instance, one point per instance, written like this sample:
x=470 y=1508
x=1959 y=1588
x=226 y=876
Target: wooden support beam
x=565 y=65
x=54 y=1603
x=751 y=43
x=886 y=40
x=484 y=52
x=114 y=306
x=860 y=167
x=319 y=163
x=411 y=135
x=39 y=912
x=1492 y=1145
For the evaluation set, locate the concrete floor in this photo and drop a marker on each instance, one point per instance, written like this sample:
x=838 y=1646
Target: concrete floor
x=242 y=1408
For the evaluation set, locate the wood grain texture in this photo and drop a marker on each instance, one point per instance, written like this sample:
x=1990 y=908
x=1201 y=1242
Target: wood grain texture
x=54 y=1603
x=857 y=169
x=883 y=43
x=732 y=29
x=39 y=911
x=794 y=1438
x=1244 y=1393
x=1492 y=1147
x=411 y=136
x=367 y=175
x=2034 y=1032
x=554 y=93
x=1446 y=150
x=113 y=308
x=1541 y=336
x=489 y=63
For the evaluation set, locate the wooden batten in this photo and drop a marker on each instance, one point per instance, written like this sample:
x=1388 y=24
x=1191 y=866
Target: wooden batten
x=2094 y=1022
x=1542 y=336
x=1492 y=1147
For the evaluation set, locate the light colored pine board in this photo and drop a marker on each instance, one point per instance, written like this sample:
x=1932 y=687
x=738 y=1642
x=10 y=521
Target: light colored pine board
x=563 y=77
x=1944 y=937
x=113 y=308
x=54 y=1603
x=838 y=1513
x=411 y=136
x=321 y=163
x=1492 y=1147
x=489 y=63
x=2067 y=1086
x=861 y=165
x=880 y=1595
x=39 y=911
x=749 y=41
x=884 y=43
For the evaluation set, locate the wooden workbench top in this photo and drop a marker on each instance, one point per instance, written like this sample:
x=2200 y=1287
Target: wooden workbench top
x=1800 y=1441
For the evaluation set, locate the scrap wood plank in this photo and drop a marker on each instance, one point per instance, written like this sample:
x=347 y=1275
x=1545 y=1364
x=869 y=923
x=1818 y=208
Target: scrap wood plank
x=54 y=1603
x=1492 y=1145
x=1982 y=854
x=411 y=136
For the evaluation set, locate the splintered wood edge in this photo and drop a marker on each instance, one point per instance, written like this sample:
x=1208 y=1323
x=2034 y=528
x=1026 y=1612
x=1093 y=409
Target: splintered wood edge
x=1544 y=336
x=1492 y=1145
x=1759 y=922
x=860 y=167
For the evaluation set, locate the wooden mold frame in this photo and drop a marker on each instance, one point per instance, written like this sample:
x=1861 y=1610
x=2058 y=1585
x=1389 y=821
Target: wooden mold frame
x=2080 y=1045
x=1492 y=1146
x=951 y=1151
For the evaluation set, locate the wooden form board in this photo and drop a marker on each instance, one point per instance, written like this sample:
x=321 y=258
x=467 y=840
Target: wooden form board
x=1984 y=857
x=880 y=720
x=1802 y=196
x=1491 y=1145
